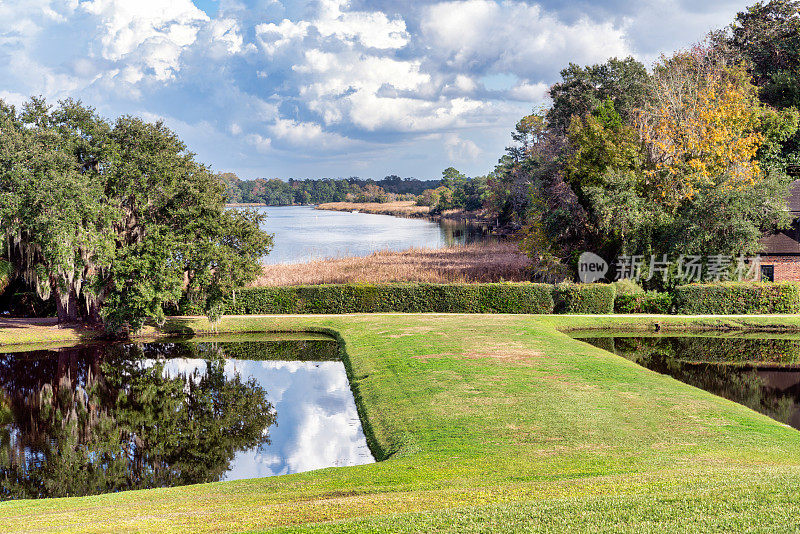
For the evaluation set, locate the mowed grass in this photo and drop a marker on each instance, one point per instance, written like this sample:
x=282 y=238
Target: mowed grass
x=492 y=423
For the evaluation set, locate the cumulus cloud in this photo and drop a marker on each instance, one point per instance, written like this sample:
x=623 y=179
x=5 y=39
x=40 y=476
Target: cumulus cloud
x=305 y=134
x=461 y=150
x=146 y=35
x=328 y=86
x=514 y=37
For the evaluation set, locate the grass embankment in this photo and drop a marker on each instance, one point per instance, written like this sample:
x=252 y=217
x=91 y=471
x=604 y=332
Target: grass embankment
x=492 y=423
x=479 y=262
x=401 y=208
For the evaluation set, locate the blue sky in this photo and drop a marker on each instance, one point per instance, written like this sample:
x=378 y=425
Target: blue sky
x=328 y=88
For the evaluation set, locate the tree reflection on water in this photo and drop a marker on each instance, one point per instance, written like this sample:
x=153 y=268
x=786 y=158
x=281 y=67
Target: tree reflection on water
x=99 y=419
x=761 y=374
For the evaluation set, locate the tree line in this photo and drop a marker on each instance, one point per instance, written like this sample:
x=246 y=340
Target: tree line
x=118 y=220
x=690 y=157
x=276 y=192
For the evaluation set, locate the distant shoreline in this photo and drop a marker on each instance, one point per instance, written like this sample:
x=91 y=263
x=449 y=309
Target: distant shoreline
x=406 y=209
x=246 y=205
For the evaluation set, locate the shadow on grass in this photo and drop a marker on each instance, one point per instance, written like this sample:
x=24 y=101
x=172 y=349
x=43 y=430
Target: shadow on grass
x=178 y=326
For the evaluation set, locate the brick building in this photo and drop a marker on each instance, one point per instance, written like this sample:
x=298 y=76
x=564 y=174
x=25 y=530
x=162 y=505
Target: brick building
x=780 y=259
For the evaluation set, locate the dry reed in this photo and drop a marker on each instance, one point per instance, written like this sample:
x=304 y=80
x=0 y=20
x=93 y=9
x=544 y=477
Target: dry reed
x=401 y=208
x=480 y=262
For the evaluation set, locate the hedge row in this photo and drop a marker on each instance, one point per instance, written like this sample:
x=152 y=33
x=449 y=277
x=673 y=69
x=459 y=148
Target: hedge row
x=738 y=298
x=408 y=298
x=584 y=298
x=649 y=302
x=529 y=298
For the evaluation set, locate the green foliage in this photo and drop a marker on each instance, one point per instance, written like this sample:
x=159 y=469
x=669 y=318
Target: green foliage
x=649 y=302
x=276 y=192
x=407 y=298
x=767 y=35
x=116 y=219
x=582 y=90
x=626 y=286
x=315 y=350
x=144 y=277
x=426 y=198
x=584 y=298
x=738 y=298
x=6 y=272
x=457 y=191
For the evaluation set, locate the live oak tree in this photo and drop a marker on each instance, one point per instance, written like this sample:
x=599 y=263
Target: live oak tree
x=117 y=220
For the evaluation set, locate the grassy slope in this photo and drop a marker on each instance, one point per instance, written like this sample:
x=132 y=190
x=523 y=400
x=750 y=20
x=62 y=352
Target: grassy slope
x=493 y=423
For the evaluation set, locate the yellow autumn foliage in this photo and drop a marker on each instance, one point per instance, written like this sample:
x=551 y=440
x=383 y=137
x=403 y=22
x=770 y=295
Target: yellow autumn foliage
x=700 y=127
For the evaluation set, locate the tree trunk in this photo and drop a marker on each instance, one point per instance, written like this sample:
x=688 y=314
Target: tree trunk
x=67 y=306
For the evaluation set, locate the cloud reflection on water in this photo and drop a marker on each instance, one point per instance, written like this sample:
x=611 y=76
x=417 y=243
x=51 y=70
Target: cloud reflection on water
x=317 y=421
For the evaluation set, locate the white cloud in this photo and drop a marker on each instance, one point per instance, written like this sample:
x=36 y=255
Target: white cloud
x=459 y=150
x=371 y=29
x=515 y=37
x=406 y=84
x=529 y=92
x=225 y=37
x=465 y=83
x=306 y=134
x=12 y=98
x=261 y=143
x=273 y=37
x=148 y=35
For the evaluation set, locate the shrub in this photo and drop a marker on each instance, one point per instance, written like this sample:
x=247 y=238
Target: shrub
x=738 y=298
x=626 y=286
x=408 y=297
x=584 y=298
x=6 y=271
x=649 y=302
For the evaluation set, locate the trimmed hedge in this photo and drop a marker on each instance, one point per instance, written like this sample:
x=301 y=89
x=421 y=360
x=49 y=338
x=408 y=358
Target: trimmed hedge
x=738 y=298
x=649 y=302
x=584 y=298
x=409 y=298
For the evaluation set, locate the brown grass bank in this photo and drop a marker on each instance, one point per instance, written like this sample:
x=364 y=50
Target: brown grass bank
x=403 y=208
x=479 y=262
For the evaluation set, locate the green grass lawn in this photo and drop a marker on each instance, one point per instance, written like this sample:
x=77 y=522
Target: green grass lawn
x=490 y=423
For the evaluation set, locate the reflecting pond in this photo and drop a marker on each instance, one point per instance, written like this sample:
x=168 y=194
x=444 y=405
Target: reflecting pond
x=302 y=233
x=109 y=417
x=762 y=373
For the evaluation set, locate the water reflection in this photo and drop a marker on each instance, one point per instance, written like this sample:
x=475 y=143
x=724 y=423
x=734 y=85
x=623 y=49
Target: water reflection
x=317 y=421
x=304 y=234
x=762 y=374
x=106 y=418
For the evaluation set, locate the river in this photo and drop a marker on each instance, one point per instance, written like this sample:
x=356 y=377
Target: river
x=303 y=234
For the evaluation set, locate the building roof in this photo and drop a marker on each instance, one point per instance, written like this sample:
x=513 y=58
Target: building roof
x=784 y=243
x=794 y=197
x=779 y=243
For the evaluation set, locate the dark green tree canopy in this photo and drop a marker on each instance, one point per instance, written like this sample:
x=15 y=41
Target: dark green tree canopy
x=583 y=89
x=117 y=219
x=767 y=36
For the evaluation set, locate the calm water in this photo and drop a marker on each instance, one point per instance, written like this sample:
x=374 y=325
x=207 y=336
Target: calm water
x=303 y=234
x=761 y=373
x=104 y=418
